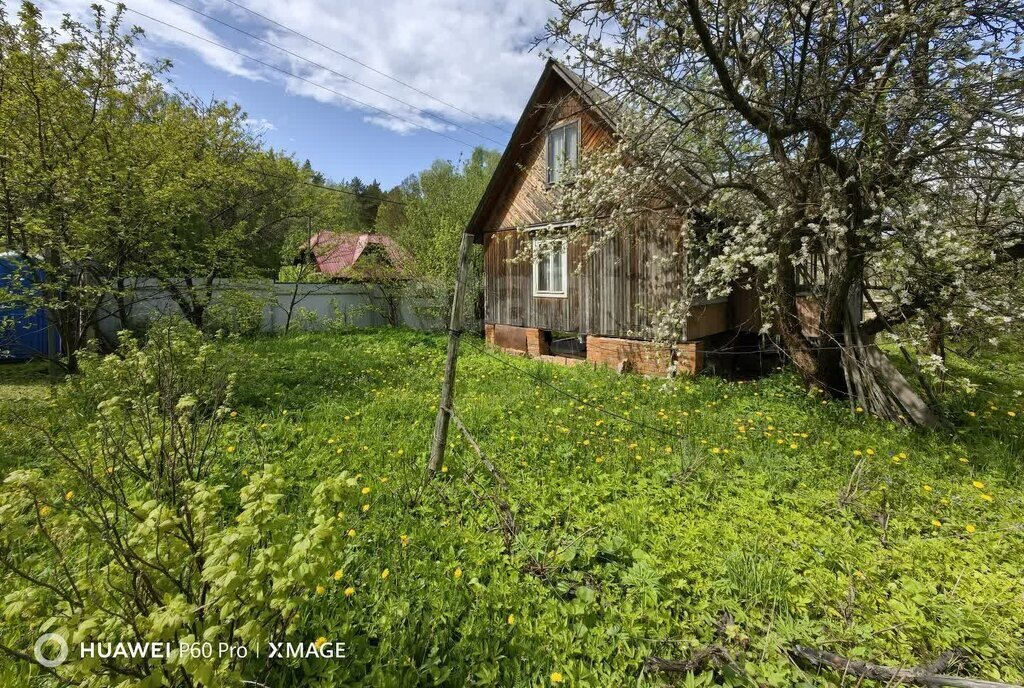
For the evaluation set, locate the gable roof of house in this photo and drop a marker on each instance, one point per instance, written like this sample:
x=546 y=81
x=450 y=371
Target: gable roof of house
x=596 y=98
x=336 y=252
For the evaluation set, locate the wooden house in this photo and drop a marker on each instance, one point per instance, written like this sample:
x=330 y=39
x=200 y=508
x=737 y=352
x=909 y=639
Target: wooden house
x=599 y=301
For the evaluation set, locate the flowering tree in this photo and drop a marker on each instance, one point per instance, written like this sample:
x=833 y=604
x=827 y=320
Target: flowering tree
x=833 y=149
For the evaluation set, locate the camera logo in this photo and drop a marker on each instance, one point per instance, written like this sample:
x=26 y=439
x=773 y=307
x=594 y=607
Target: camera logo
x=62 y=651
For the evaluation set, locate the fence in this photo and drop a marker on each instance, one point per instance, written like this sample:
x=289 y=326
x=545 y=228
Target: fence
x=302 y=305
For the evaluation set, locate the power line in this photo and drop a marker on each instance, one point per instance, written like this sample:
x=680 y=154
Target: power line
x=291 y=74
x=335 y=72
x=363 y=64
x=351 y=193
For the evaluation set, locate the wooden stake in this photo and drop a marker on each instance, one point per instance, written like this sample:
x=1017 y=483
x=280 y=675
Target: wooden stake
x=440 y=439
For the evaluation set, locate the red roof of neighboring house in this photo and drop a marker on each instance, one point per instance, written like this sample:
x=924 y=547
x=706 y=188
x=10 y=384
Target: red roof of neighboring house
x=337 y=252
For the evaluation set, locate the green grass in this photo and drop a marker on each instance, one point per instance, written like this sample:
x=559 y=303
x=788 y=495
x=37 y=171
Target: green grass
x=750 y=515
x=23 y=381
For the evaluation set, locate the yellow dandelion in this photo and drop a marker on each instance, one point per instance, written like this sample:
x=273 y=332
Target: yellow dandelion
x=234 y=414
x=978 y=484
x=351 y=532
x=320 y=590
x=860 y=410
x=970 y=528
x=349 y=591
x=404 y=539
x=927 y=488
x=937 y=523
x=444 y=469
x=511 y=619
x=556 y=677
x=69 y=495
x=319 y=642
x=792 y=445
x=385 y=573
x=337 y=575
x=857 y=452
x=365 y=490
x=1011 y=414
x=44 y=510
x=366 y=507
x=963 y=459
x=987 y=497
x=458 y=572
x=231 y=449
x=869 y=451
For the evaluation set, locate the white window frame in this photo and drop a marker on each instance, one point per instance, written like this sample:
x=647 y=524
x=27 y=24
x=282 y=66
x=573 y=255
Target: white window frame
x=570 y=159
x=536 y=244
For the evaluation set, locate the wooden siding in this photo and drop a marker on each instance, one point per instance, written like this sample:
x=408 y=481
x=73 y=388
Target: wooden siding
x=527 y=199
x=618 y=289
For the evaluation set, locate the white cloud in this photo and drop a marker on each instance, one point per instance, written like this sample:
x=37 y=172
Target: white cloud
x=474 y=55
x=156 y=32
x=259 y=125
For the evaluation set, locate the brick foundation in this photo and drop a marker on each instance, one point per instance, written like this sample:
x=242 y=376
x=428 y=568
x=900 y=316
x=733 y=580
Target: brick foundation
x=520 y=340
x=624 y=355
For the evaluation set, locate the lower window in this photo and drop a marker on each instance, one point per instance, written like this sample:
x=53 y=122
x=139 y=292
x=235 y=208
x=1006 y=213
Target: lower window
x=550 y=258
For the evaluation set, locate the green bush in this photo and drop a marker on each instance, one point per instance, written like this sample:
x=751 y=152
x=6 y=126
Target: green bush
x=235 y=312
x=139 y=531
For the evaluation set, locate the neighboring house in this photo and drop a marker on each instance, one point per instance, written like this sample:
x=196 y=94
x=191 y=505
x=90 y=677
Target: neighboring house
x=355 y=257
x=602 y=300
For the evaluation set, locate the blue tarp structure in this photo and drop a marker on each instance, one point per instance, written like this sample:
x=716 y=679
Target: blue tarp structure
x=22 y=328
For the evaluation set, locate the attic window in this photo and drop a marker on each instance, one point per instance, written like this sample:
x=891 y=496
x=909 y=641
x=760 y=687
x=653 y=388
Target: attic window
x=563 y=149
x=550 y=259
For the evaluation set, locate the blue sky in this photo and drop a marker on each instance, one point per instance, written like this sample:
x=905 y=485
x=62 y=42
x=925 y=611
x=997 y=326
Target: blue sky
x=472 y=54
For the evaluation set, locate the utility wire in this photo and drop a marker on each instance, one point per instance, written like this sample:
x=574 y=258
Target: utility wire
x=363 y=64
x=291 y=74
x=335 y=72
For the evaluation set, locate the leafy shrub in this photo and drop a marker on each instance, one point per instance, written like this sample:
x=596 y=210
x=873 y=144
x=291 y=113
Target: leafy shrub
x=138 y=532
x=235 y=312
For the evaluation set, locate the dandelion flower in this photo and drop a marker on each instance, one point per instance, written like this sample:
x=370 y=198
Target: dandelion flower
x=385 y=573
x=927 y=488
x=320 y=590
x=69 y=495
x=937 y=523
x=337 y=575
x=366 y=507
x=457 y=573
x=349 y=591
x=978 y=484
x=404 y=539
x=351 y=532
x=857 y=452
x=365 y=490
x=511 y=619
x=987 y=497
x=231 y=449
x=970 y=528
x=319 y=642
x=556 y=677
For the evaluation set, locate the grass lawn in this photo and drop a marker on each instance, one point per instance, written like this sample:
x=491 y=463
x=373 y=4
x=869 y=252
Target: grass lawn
x=651 y=518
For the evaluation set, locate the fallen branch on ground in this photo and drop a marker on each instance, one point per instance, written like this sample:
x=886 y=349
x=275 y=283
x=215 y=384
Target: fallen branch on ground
x=890 y=675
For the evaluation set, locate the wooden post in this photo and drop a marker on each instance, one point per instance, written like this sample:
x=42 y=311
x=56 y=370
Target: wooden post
x=448 y=385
